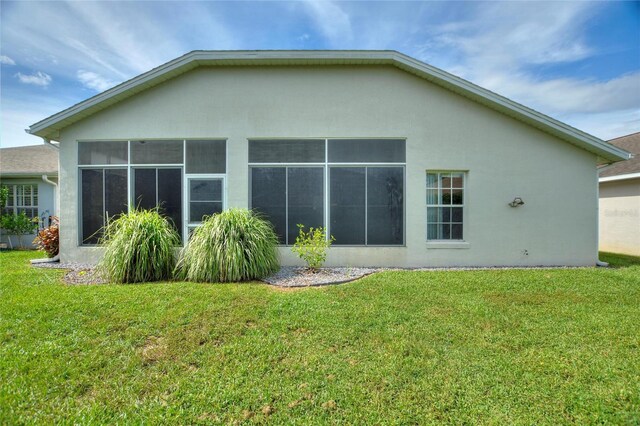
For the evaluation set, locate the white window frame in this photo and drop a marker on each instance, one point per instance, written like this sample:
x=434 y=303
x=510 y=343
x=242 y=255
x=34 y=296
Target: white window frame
x=439 y=205
x=327 y=195
x=129 y=166
x=187 y=224
x=13 y=188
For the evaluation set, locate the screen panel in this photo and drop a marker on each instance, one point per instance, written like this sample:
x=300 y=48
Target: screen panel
x=206 y=156
x=287 y=151
x=170 y=195
x=115 y=192
x=102 y=152
x=305 y=199
x=268 y=196
x=144 y=188
x=366 y=151
x=92 y=204
x=385 y=211
x=347 y=204
x=157 y=152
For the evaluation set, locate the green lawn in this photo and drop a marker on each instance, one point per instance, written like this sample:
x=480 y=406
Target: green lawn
x=492 y=347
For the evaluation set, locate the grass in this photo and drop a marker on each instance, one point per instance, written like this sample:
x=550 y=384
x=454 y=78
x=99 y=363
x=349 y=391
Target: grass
x=489 y=347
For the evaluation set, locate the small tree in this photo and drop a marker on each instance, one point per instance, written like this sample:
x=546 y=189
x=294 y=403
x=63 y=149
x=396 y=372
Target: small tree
x=312 y=246
x=18 y=224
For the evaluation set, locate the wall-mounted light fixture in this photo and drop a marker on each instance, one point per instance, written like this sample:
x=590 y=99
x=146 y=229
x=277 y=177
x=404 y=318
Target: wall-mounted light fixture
x=516 y=202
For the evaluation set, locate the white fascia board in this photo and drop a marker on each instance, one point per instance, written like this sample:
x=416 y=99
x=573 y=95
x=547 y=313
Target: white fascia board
x=51 y=125
x=619 y=177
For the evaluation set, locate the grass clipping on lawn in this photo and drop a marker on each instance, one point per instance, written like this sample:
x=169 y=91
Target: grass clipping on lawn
x=139 y=247
x=235 y=245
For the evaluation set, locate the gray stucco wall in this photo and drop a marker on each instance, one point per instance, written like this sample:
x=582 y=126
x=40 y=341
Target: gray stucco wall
x=620 y=216
x=444 y=131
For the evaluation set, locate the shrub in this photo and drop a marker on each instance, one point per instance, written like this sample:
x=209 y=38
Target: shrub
x=48 y=239
x=235 y=245
x=312 y=246
x=139 y=247
x=18 y=224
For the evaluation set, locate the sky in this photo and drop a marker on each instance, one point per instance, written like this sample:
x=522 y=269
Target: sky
x=578 y=62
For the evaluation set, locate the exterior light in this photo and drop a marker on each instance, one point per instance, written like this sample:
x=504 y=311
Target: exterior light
x=516 y=202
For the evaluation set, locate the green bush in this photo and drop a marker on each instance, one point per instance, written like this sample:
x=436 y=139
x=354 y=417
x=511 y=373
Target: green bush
x=235 y=245
x=139 y=247
x=19 y=225
x=312 y=246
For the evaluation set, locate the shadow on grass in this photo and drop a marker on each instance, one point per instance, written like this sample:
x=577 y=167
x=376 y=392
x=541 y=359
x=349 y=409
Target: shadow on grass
x=619 y=260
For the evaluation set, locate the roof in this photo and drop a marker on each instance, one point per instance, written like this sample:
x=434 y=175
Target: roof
x=50 y=127
x=625 y=169
x=33 y=160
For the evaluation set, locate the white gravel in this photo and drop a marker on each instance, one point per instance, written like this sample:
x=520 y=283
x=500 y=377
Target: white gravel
x=291 y=276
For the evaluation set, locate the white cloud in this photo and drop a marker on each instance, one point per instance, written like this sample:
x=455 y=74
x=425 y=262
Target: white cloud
x=6 y=60
x=94 y=81
x=38 y=79
x=332 y=21
x=20 y=114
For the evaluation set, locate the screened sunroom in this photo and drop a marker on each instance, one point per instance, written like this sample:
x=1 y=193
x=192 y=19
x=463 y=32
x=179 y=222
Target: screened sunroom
x=352 y=187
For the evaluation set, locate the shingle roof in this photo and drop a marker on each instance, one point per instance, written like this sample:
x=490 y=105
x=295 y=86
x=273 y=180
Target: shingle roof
x=32 y=160
x=50 y=127
x=629 y=143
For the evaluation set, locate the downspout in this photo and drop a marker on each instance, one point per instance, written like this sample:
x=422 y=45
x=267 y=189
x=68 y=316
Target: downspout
x=45 y=179
x=598 y=261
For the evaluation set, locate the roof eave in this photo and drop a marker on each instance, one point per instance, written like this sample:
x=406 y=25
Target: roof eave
x=50 y=127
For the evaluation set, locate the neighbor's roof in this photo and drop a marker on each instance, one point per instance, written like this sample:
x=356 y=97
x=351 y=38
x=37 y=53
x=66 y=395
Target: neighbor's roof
x=49 y=127
x=34 y=160
x=625 y=169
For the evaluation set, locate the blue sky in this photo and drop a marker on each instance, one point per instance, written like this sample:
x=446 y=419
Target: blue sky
x=575 y=61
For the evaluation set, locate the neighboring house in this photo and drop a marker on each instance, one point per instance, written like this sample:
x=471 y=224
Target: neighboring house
x=620 y=200
x=405 y=164
x=31 y=174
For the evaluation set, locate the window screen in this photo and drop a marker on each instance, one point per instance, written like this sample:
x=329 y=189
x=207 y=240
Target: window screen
x=268 y=197
x=160 y=187
x=206 y=156
x=157 y=152
x=366 y=151
x=385 y=214
x=104 y=195
x=205 y=198
x=305 y=199
x=102 y=153
x=287 y=151
x=347 y=204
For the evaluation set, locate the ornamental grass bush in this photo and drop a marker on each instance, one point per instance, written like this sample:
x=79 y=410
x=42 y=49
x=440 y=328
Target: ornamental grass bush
x=235 y=245
x=139 y=247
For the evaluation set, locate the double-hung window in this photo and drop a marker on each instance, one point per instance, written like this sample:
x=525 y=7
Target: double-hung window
x=445 y=206
x=22 y=199
x=353 y=187
x=116 y=176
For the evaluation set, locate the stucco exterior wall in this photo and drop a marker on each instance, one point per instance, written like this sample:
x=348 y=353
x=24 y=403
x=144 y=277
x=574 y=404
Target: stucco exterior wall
x=444 y=131
x=620 y=216
x=46 y=202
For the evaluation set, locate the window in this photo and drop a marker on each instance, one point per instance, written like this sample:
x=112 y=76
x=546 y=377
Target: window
x=103 y=197
x=160 y=187
x=360 y=202
x=117 y=175
x=22 y=199
x=205 y=199
x=445 y=204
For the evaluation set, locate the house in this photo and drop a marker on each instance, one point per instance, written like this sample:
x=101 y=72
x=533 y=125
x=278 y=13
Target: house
x=620 y=200
x=31 y=175
x=405 y=164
